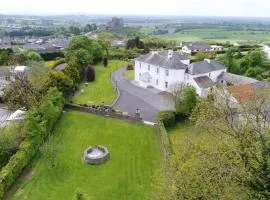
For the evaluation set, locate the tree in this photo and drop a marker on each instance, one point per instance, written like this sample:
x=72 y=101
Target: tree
x=72 y=72
x=90 y=73
x=256 y=58
x=247 y=126
x=105 y=39
x=105 y=61
x=229 y=58
x=185 y=99
x=87 y=28
x=60 y=80
x=82 y=51
x=74 y=30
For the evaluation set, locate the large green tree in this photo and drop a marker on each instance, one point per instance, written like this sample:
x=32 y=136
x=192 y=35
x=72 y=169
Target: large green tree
x=247 y=125
x=83 y=51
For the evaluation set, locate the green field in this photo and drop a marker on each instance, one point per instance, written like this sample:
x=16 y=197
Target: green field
x=127 y=175
x=129 y=74
x=218 y=35
x=101 y=89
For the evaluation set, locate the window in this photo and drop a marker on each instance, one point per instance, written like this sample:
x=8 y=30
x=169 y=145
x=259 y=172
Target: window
x=148 y=67
x=167 y=72
x=140 y=65
x=166 y=84
x=157 y=70
x=209 y=74
x=157 y=82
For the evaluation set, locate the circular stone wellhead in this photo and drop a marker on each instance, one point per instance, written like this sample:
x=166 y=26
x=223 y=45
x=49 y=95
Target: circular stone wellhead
x=96 y=155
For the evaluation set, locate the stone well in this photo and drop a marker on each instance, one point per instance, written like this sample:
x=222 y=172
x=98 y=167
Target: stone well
x=96 y=155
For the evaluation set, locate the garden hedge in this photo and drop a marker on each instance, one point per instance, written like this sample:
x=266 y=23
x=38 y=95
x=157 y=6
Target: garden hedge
x=167 y=117
x=38 y=124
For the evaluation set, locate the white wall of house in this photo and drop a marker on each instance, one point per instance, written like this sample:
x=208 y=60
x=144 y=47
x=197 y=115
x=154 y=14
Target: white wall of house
x=162 y=78
x=185 y=49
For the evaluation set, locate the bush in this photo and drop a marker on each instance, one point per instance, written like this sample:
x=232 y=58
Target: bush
x=130 y=67
x=52 y=56
x=90 y=73
x=167 y=117
x=38 y=124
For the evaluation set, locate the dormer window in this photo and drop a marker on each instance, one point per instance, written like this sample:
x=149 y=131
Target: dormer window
x=148 y=67
x=157 y=70
x=167 y=72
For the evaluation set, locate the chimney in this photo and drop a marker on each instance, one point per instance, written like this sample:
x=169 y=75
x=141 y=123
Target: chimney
x=207 y=60
x=170 y=53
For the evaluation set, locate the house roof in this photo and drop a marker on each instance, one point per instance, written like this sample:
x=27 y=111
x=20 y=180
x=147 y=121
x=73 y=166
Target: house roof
x=235 y=79
x=204 y=67
x=196 y=45
x=204 y=82
x=246 y=92
x=162 y=59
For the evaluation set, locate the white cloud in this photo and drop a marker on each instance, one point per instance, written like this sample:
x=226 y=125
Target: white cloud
x=257 y=8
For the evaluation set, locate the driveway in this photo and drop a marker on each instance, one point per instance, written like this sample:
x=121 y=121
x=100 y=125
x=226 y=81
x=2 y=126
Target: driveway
x=149 y=101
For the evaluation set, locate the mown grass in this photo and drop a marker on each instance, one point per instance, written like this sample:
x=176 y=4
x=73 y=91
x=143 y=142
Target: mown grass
x=101 y=90
x=134 y=154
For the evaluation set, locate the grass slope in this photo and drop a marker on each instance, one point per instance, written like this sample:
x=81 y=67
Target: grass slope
x=134 y=158
x=101 y=89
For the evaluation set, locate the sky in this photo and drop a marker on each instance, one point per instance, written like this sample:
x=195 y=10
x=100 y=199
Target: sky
x=248 y=8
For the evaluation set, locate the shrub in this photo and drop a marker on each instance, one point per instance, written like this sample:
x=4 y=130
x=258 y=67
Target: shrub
x=90 y=73
x=105 y=61
x=167 y=117
x=38 y=124
x=130 y=67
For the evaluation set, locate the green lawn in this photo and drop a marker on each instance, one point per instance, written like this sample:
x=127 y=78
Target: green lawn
x=183 y=131
x=127 y=175
x=101 y=89
x=129 y=74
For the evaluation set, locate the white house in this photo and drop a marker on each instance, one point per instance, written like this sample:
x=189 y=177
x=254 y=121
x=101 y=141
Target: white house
x=162 y=70
x=195 y=47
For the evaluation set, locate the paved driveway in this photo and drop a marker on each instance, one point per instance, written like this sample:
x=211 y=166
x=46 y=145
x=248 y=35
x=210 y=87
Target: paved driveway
x=149 y=101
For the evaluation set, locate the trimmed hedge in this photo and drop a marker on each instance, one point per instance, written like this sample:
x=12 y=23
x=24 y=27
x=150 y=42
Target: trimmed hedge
x=167 y=117
x=38 y=124
x=165 y=143
x=52 y=56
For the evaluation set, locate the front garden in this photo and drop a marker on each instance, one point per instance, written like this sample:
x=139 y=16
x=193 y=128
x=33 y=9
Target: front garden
x=134 y=151
x=101 y=90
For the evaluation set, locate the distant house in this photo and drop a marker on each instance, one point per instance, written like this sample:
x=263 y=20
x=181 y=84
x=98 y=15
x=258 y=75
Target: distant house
x=9 y=74
x=5 y=43
x=195 y=47
x=49 y=46
x=162 y=70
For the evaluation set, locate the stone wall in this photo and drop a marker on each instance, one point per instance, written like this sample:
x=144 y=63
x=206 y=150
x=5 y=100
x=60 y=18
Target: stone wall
x=105 y=111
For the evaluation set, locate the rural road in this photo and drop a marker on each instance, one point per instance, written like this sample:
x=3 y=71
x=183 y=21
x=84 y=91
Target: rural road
x=149 y=101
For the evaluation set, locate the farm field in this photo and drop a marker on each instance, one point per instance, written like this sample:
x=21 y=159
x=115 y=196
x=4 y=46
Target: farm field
x=134 y=158
x=218 y=35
